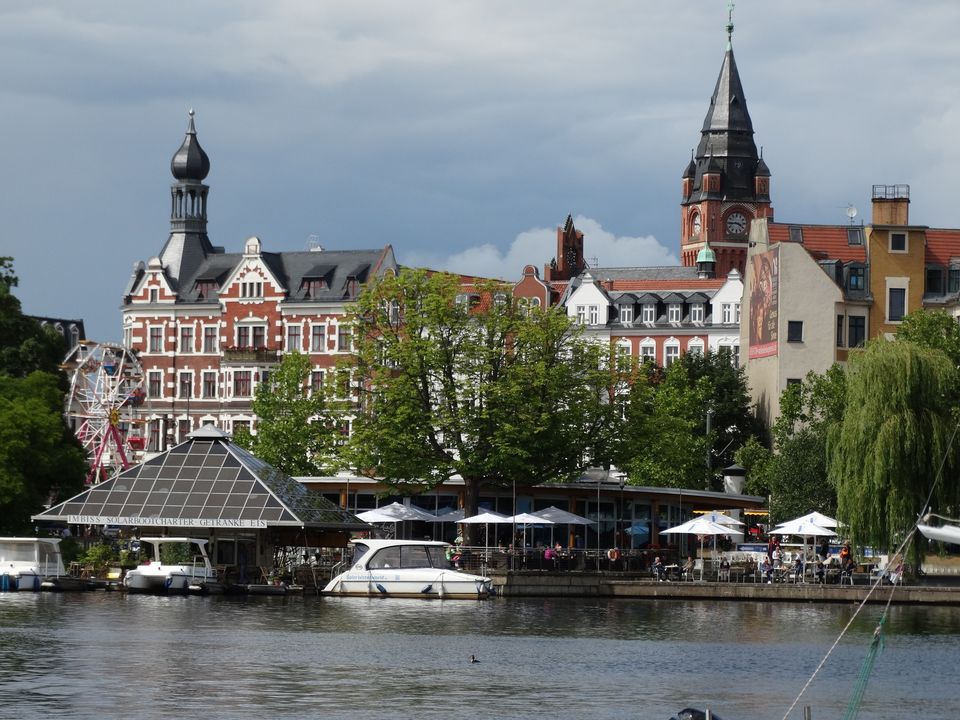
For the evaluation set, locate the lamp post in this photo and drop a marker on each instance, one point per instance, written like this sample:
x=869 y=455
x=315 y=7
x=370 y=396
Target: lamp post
x=709 y=460
x=622 y=477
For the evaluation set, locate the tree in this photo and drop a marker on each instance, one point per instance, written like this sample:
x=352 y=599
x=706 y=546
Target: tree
x=40 y=460
x=25 y=345
x=473 y=385
x=933 y=329
x=298 y=428
x=662 y=442
x=894 y=444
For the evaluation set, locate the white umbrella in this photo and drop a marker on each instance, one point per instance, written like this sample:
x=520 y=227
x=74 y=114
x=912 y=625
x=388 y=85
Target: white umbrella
x=376 y=516
x=526 y=519
x=486 y=519
x=451 y=516
x=699 y=526
x=816 y=518
x=805 y=529
x=401 y=512
x=721 y=519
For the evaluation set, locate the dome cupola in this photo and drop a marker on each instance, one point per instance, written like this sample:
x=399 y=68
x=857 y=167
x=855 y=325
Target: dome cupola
x=190 y=162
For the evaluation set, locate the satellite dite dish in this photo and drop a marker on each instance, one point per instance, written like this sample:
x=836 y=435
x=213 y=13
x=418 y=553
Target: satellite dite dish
x=851 y=212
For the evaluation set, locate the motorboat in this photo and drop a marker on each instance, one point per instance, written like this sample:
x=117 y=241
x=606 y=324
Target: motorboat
x=26 y=561
x=406 y=568
x=155 y=576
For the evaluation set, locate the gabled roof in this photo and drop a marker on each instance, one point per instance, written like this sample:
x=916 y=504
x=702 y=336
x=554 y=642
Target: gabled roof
x=942 y=245
x=206 y=481
x=823 y=242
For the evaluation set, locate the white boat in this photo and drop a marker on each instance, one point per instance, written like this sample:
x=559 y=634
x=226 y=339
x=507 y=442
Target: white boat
x=406 y=568
x=944 y=533
x=158 y=577
x=26 y=561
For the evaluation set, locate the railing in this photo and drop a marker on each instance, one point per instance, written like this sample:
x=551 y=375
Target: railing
x=251 y=355
x=891 y=192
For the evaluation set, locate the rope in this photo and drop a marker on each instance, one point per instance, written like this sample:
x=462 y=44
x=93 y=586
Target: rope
x=863 y=677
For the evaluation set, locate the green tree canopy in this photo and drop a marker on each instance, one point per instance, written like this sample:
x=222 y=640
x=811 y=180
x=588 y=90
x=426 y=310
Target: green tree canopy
x=933 y=329
x=40 y=460
x=298 y=428
x=25 y=345
x=478 y=386
x=886 y=454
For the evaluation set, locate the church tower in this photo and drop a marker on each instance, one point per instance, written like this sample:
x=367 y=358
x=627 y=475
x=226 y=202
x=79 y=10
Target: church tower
x=726 y=184
x=188 y=208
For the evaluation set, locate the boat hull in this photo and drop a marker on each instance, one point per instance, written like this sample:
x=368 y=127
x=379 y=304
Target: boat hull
x=152 y=580
x=415 y=584
x=20 y=582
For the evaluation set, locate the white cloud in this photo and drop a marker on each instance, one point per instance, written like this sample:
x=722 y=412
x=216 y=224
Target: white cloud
x=537 y=246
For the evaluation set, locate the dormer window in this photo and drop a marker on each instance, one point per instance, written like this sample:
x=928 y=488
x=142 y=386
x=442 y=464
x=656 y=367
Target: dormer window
x=206 y=288
x=154 y=295
x=649 y=313
x=953 y=279
x=673 y=312
x=626 y=314
x=581 y=314
x=311 y=286
x=352 y=285
x=696 y=313
x=934 y=284
x=594 y=315
x=856 y=280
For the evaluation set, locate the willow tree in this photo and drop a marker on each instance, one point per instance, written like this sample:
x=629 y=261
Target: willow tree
x=472 y=383
x=885 y=456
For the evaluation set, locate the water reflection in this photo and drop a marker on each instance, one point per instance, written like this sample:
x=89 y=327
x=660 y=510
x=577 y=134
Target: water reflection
x=106 y=655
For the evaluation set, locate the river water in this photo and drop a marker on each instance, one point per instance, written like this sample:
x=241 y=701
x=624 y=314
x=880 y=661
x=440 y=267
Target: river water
x=106 y=655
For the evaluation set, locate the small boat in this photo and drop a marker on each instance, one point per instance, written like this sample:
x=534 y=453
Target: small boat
x=406 y=568
x=26 y=561
x=156 y=576
x=943 y=533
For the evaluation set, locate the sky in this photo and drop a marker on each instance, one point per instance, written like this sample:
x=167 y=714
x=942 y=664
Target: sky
x=461 y=132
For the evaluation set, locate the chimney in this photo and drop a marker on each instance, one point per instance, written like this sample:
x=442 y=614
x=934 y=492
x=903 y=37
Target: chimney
x=891 y=205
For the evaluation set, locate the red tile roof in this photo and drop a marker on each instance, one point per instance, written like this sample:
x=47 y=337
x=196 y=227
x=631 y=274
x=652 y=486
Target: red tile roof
x=691 y=284
x=823 y=242
x=942 y=244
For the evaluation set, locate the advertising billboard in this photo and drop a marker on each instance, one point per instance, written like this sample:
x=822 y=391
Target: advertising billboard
x=764 y=305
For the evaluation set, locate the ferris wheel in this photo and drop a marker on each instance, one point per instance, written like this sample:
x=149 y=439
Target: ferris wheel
x=106 y=384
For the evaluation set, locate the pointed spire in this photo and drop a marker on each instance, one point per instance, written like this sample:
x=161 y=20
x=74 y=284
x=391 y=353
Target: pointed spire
x=730 y=7
x=190 y=162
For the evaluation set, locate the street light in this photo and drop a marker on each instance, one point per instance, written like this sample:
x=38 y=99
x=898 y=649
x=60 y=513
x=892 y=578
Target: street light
x=623 y=480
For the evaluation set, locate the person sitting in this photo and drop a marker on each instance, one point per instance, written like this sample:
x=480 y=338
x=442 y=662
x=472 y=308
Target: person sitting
x=844 y=555
x=688 y=566
x=658 y=568
x=767 y=569
x=847 y=569
x=819 y=573
x=798 y=569
x=724 y=569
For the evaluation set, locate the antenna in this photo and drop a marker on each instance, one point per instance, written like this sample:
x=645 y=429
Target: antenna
x=851 y=213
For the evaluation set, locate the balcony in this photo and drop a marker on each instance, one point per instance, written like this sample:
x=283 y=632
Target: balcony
x=257 y=356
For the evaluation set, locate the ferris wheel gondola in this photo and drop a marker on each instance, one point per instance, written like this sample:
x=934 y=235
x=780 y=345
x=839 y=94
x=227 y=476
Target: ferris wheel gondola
x=106 y=384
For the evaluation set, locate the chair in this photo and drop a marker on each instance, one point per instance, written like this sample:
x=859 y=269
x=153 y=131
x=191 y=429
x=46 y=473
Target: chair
x=846 y=575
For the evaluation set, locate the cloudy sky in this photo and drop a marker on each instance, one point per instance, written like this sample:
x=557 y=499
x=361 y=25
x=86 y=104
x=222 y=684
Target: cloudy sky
x=461 y=131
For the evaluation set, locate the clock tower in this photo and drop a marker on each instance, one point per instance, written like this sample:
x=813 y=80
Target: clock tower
x=726 y=183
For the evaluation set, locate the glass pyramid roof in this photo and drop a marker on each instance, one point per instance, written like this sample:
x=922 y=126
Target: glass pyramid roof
x=206 y=481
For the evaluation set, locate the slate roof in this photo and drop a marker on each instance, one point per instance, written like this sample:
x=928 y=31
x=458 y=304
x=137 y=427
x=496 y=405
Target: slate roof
x=206 y=481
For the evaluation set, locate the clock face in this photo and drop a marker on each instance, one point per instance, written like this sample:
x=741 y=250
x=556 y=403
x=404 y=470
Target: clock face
x=736 y=223
x=696 y=223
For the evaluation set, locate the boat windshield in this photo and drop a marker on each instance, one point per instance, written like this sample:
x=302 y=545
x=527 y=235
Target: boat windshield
x=359 y=550
x=408 y=556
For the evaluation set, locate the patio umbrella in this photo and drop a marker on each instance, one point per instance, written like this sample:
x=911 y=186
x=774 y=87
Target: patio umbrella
x=562 y=517
x=451 y=516
x=486 y=519
x=720 y=519
x=816 y=518
x=402 y=512
x=699 y=526
x=526 y=519
x=805 y=529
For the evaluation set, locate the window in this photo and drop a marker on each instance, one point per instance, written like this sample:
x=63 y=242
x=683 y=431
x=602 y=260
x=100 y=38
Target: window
x=896 y=304
x=732 y=352
x=156 y=339
x=259 y=336
x=594 y=315
x=856 y=330
x=581 y=314
x=726 y=313
x=251 y=336
x=898 y=242
x=696 y=313
x=344 y=339
x=953 y=283
x=535 y=302
x=671 y=353
x=673 y=312
x=934 y=280
x=186 y=339
x=794 y=381
x=794 y=331
x=318 y=338
x=649 y=313
x=183 y=429
x=856 y=280
x=623 y=356
x=264 y=376
x=210 y=340
x=154 y=295
x=241 y=383
x=155 y=384
x=736 y=313
x=796 y=234
x=316 y=381
x=209 y=384
x=840 y=320
x=206 y=288
x=154 y=436
x=695 y=348
x=243 y=336
x=343 y=383
x=293 y=338
x=311 y=286
x=626 y=314
x=500 y=300
x=251 y=289
x=854 y=236
x=127 y=337
x=185 y=385
x=648 y=353
x=241 y=426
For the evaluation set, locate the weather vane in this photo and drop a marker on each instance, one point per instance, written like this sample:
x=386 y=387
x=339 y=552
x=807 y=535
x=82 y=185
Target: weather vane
x=730 y=7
